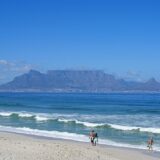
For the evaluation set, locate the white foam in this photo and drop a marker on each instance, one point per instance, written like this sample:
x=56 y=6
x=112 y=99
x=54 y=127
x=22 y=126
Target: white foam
x=44 y=133
x=65 y=120
x=41 y=118
x=72 y=118
x=141 y=129
x=152 y=130
x=125 y=128
x=87 y=124
x=119 y=127
x=6 y=114
x=25 y=115
x=68 y=136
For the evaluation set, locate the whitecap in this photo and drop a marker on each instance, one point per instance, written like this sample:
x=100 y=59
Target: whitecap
x=68 y=136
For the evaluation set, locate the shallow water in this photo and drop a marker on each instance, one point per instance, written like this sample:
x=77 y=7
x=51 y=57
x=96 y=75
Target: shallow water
x=120 y=119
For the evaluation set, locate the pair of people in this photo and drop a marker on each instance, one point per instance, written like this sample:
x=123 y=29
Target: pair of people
x=93 y=137
x=150 y=143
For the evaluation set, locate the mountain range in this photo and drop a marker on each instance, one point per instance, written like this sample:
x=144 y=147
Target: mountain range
x=76 y=81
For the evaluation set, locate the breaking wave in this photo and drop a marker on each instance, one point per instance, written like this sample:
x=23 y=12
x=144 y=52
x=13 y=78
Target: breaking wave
x=67 y=136
x=39 y=117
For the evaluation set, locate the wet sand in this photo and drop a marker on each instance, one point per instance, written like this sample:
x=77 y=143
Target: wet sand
x=21 y=147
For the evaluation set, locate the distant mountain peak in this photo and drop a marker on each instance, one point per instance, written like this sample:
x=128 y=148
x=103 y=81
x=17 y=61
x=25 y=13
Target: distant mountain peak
x=32 y=71
x=76 y=81
x=152 y=80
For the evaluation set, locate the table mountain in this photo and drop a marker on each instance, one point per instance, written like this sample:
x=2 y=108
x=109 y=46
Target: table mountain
x=76 y=81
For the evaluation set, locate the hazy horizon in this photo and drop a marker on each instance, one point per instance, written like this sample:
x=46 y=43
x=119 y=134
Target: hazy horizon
x=83 y=70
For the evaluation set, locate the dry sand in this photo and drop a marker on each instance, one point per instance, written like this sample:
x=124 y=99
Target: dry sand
x=21 y=147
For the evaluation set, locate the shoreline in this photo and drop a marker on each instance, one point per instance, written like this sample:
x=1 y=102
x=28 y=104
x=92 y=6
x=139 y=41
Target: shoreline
x=101 y=151
x=70 y=137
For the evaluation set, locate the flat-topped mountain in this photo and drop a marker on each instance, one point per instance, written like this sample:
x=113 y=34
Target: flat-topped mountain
x=75 y=81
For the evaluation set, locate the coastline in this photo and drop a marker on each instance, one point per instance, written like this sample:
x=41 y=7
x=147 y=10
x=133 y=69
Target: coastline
x=20 y=146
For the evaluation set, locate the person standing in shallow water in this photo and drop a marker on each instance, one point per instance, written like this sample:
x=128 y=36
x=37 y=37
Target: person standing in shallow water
x=95 y=138
x=92 y=136
x=150 y=143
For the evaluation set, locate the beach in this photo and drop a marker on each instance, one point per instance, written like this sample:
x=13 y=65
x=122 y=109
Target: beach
x=22 y=147
x=121 y=120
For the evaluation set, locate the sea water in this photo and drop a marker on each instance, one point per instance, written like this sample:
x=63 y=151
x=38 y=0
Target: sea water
x=120 y=119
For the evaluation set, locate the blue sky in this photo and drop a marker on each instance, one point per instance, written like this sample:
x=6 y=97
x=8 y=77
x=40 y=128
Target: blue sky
x=119 y=37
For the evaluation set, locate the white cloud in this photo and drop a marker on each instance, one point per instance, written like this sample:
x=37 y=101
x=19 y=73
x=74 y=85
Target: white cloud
x=22 y=68
x=133 y=76
x=3 y=62
x=9 y=69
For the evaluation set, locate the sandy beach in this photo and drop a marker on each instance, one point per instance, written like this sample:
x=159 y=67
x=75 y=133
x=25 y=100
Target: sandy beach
x=21 y=147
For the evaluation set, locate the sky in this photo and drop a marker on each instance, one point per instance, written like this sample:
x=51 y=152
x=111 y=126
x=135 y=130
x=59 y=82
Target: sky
x=121 y=37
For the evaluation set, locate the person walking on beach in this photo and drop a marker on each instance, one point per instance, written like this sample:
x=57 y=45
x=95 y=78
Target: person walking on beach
x=95 y=138
x=92 y=136
x=150 y=143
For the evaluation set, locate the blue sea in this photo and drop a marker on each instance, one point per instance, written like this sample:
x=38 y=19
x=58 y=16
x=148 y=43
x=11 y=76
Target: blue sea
x=125 y=120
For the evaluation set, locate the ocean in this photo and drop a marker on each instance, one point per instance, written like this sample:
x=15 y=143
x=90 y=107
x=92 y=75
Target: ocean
x=120 y=119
